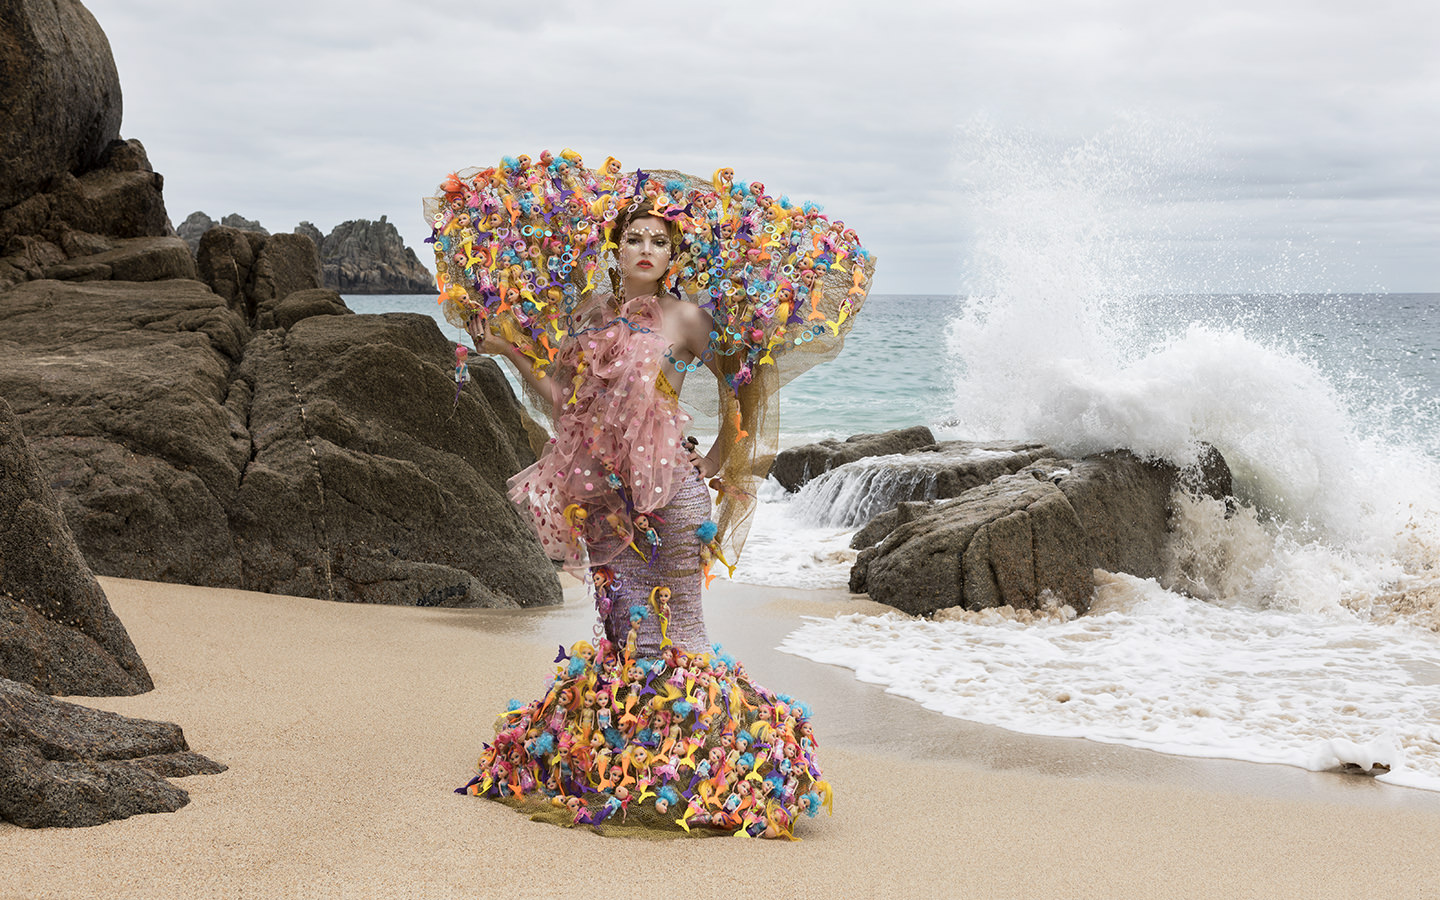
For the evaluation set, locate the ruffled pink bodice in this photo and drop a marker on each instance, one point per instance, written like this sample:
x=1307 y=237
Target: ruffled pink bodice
x=618 y=449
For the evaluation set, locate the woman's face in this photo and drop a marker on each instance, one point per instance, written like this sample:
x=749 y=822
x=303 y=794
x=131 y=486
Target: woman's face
x=645 y=249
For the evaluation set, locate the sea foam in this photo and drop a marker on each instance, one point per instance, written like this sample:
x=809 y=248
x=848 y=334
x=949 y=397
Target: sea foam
x=1150 y=668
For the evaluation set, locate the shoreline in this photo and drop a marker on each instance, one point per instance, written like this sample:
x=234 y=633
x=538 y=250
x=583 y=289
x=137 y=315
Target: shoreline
x=347 y=727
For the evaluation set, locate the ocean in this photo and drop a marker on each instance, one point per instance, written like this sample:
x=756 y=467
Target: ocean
x=1303 y=630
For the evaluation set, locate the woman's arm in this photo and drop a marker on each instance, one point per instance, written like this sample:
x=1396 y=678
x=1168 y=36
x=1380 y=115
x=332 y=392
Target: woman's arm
x=698 y=343
x=488 y=343
x=713 y=460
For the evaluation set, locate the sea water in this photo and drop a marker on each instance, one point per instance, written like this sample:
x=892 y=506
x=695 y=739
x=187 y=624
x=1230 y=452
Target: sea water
x=1301 y=626
x=1302 y=629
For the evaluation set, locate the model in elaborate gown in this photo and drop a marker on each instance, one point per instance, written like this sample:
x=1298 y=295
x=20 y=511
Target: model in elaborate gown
x=647 y=723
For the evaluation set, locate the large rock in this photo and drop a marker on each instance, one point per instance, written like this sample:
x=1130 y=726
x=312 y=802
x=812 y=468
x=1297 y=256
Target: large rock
x=121 y=198
x=235 y=220
x=67 y=765
x=194 y=228
x=59 y=94
x=1040 y=530
x=331 y=460
x=794 y=466
x=79 y=215
x=122 y=389
x=197 y=223
x=285 y=264
x=128 y=259
x=357 y=257
x=999 y=543
x=224 y=261
x=29 y=257
x=365 y=257
x=57 y=631
x=314 y=234
x=253 y=270
x=300 y=305
x=367 y=483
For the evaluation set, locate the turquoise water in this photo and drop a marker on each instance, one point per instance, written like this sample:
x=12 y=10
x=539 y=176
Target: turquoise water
x=1381 y=352
x=891 y=373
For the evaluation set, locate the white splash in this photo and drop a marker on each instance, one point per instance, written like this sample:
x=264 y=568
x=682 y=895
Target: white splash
x=1306 y=632
x=783 y=550
x=853 y=494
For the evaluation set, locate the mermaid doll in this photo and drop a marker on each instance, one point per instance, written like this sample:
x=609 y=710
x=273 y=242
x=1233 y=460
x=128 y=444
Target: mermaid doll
x=621 y=495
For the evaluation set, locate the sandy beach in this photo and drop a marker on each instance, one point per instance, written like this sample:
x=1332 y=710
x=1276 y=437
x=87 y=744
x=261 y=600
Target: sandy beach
x=347 y=727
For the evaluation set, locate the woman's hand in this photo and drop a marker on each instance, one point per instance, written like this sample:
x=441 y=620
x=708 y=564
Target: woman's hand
x=706 y=466
x=485 y=341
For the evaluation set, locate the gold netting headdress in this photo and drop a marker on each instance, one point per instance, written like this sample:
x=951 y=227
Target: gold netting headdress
x=525 y=244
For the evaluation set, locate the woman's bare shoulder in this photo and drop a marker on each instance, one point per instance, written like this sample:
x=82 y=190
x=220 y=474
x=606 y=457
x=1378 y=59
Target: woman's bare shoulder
x=694 y=322
x=688 y=311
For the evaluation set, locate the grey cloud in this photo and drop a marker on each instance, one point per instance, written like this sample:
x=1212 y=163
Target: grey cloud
x=1294 y=109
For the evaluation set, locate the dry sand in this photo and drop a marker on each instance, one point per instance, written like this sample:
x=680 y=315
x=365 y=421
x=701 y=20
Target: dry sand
x=346 y=728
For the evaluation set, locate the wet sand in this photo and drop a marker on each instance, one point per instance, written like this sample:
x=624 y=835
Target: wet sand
x=346 y=728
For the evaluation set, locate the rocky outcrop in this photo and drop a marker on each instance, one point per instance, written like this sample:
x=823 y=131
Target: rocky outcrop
x=251 y=270
x=300 y=305
x=68 y=766
x=62 y=764
x=357 y=257
x=367 y=483
x=364 y=257
x=128 y=259
x=1038 y=531
x=313 y=234
x=794 y=466
x=224 y=419
x=225 y=260
x=83 y=216
x=121 y=389
x=197 y=223
x=59 y=95
x=330 y=459
x=194 y=228
x=235 y=220
x=58 y=633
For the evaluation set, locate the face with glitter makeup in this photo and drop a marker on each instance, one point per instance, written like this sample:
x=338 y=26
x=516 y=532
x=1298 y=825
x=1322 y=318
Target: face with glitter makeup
x=645 y=250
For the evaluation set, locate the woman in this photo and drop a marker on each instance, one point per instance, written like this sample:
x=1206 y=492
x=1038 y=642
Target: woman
x=649 y=725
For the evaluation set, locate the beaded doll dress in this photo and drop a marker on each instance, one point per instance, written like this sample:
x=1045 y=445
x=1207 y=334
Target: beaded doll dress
x=648 y=728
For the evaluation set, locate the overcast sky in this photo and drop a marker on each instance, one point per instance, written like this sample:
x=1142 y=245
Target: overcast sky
x=1257 y=145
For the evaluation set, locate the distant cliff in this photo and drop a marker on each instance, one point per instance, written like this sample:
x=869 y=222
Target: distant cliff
x=364 y=257
x=357 y=257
